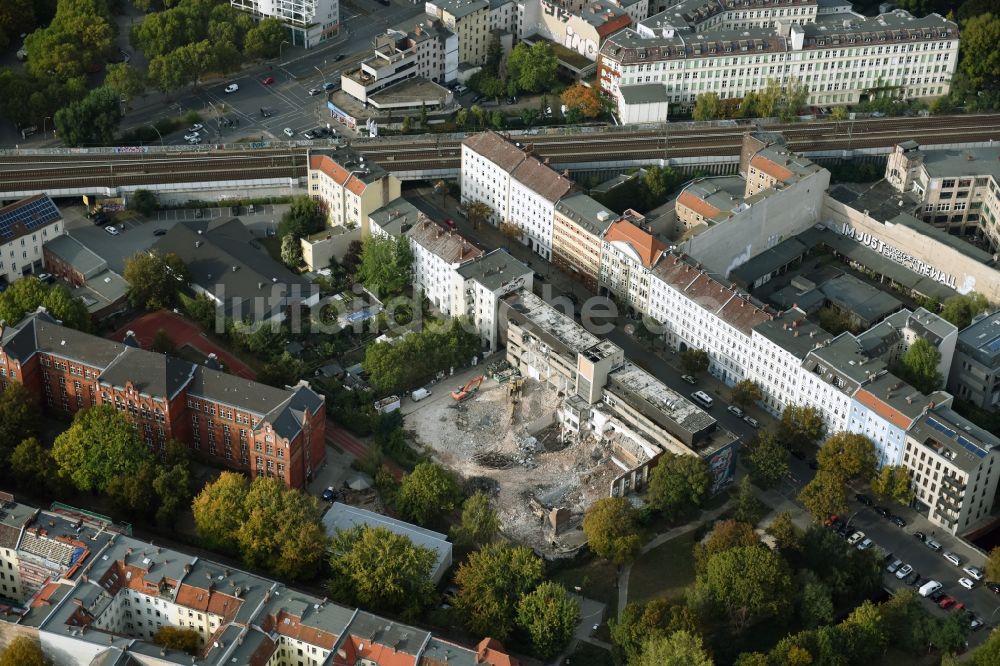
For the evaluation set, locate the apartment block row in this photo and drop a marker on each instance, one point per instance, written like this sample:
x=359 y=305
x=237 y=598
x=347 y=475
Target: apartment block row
x=733 y=48
x=458 y=277
x=92 y=594
x=241 y=424
x=610 y=398
x=308 y=22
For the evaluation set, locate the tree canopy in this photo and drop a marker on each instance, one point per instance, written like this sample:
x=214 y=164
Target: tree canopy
x=27 y=293
x=919 y=366
x=19 y=418
x=426 y=493
x=707 y=106
x=678 y=483
x=23 y=651
x=491 y=583
x=746 y=392
x=725 y=535
x=416 y=358
x=479 y=524
x=681 y=648
x=549 y=616
x=612 y=529
x=582 y=101
x=980 y=56
x=219 y=511
x=893 y=483
x=143 y=202
x=532 y=68
x=851 y=456
x=767 y=460
x=155 y=279
x=800 y=426
x=91 y=121
x=302 y=218
x=385 y=265
x=98 y=448
x=961 y=308
x=375 y=568
x=640 y=622
x=694 y=360
x=749 y=582
x=178 y=638
x=824 y=495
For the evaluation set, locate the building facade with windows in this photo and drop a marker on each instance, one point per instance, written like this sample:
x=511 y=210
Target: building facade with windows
x=348 y=188
x=628 y=253
x=956 y=190
x=578 y=227
x=975 y=370
x=470 y=21
x=437 y=254
x=309 y=22
x=839 y=58
x=25 y=226
x=243 y=425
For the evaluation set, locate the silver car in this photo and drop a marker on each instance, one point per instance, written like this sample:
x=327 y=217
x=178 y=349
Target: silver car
x=904 y=571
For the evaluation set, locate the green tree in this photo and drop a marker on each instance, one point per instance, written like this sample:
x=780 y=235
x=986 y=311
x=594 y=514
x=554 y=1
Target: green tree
x=980 y=59
x=800 y=426
x=155 y=279
x=75 y=42
x=585 y=99
x=839 y=113
x=532 y=68
x=707 y=106
x=768 y=99
x=219 y=510
x=893 y=483
x=28 y=293
x=678 y=483
x=163 y=343
x=24 y=651
x=461 y=118
x=282 y=532
x=497 y=119
x=993 y=564
x=143 y=202
x=426 y=493
x=19 y=418
x=491 y=583
x=93 y=121
x=479 y=525
x=31 y=464
x=418 y=357
x=173 y=485
x=794 y=97
x=767 y=460
x=178 y=638
x=746 y=392
x=549 y=615
x=749 y=509
x=987 y=654
x=129 y=494
x=786 y=535
x=126 y=81
x=640 y=622
x=381 y=570
x=291 y=251
x=725 y=535
x=16 y=17
x=97 y=448
x=264 y=40
x=694 y=360
x=815 y=605
x=612 y=529
x=960 y=309
x=302 y=218
x=478 y=115
x=919 y=366
x=749 y=582
x=529 y=116
x=478 y=212
x=849 y=455
x=824 y=495
x=681 y=648
x=168 y=72
x=385 y=264
x=67 y=308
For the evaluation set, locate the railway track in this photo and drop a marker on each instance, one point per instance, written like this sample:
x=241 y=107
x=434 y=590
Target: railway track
x=56 y=171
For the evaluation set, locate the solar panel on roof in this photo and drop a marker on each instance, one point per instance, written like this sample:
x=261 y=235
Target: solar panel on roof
x=971 y=448
x=32 y=215
x=940 y=427
x=993 y=345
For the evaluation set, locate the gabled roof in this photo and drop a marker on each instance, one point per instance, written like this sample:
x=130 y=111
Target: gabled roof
x=40 y=332
x=543 y=179
x=150 y=373
x=496 y=149
x=449 y=246
x=24 y=216
x=644 y=244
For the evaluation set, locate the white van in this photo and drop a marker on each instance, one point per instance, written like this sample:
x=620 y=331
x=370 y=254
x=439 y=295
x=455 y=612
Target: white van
x=953 y=558
x=702 y=399
x=419 y=394
x=929 y=588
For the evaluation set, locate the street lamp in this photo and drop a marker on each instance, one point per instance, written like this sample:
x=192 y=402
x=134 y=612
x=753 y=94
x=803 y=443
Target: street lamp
x=157 y=133
x=321 y=74
x=45 y=125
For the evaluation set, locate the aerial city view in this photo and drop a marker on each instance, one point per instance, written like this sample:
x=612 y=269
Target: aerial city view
x=499 y=333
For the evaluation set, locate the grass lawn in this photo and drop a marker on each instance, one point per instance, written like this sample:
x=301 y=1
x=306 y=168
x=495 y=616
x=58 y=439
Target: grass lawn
x=189 y=353
x=664 y=571
x=597 y=580
x=587 y=654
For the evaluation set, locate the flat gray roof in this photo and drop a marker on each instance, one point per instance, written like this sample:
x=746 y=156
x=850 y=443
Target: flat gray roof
x=982 y=340
x=645 y=93
x=587 y=212
x=965 y=163
x=497 y=269
x=77 y=255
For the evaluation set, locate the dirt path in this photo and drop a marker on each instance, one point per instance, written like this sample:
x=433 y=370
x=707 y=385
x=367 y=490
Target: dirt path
x=183 y=332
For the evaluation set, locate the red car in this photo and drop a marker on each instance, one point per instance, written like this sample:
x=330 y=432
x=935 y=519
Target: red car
x=831 y=520
x=450 y=223
x=946 y=602
x=268 y=81
x=959 y=606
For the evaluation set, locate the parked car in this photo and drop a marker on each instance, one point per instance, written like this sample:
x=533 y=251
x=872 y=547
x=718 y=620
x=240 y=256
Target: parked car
x=933 y=545
x=967 y=583
x=946 y=602
x=751 y=421
x=314 y=91
x=160 y=232
x=974 y=573
x=331 y=85
x=289 y=132
x=866 y=544
x=112 y=230
x=920 y=535
x=904 y=571
x=913 y=579
x=192 y=135
x=232 y=87
x=884 y=512
x=995 y=587
x=831 y=519
x=897 y=521
x=689 y=379
x=894 y=566
x=340 y=56
x=864 y=499
x=733 y=409
x=47 y=278
x=855 y=538
x=329 y=494
x=197 y=127
x=268 y=80
x=953 y=558
x=938 y=596
x=308 y=135
x=975 y=624
x=419 y=394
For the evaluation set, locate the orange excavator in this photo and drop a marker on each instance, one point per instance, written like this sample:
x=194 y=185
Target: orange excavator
x=467 y=391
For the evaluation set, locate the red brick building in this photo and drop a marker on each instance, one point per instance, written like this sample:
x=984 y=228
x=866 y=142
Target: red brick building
x=250 y=427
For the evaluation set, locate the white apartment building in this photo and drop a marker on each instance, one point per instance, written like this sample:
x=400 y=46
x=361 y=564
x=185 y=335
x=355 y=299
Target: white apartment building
x=437 y=254
x=954 y=469
x=627 y=255
x=348 y=188
x=839 y=58
x=957 y=190
x=309 y=22
x=25 y=226
x=777 y=349
x=482 y=283
x=521 y=190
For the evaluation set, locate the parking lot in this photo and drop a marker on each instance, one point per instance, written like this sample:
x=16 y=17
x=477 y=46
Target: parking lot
x=901 y=543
